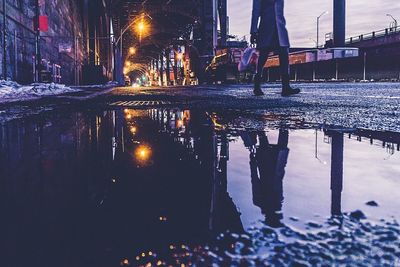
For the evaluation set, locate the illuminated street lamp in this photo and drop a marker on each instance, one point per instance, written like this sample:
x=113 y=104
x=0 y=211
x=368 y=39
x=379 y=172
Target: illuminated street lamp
x=141 y=28
x=179 y=56
x=133 y=129
x=128 y=64
x=126 y=28
x=132 y=50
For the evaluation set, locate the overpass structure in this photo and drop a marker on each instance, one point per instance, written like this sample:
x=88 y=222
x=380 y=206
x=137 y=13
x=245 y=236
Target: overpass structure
x=163 y=42
x=181 y=38
x=166 y=40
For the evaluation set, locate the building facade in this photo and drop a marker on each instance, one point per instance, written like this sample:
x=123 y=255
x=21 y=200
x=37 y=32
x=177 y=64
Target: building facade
x=77 y=31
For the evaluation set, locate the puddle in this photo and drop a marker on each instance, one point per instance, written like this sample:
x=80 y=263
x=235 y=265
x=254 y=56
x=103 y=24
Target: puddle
x=179 y=187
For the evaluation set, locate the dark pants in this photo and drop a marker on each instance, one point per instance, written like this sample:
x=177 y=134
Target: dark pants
x=283 y=62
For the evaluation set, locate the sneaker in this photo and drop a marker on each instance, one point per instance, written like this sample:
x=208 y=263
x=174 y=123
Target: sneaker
x=258 y=92
x=290 y=91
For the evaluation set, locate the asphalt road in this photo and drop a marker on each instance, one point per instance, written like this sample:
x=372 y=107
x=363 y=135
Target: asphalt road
x=359 y=105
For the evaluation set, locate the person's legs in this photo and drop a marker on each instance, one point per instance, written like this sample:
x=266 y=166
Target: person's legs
x=260 y=67
x=262 y=60
x=285 y=72
x=284 y=66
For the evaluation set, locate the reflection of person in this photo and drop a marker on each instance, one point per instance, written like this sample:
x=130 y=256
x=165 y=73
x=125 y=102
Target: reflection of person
x=267 y=164
x=268 y=30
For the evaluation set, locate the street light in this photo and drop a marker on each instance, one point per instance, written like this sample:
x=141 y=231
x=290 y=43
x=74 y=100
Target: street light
x=125 y=29
x=394 y=21
x=325 y=12
x=132 y=50
x=179 y=56
x=141 y=27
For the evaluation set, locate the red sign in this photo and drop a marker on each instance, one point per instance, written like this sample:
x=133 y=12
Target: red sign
x=43 y=23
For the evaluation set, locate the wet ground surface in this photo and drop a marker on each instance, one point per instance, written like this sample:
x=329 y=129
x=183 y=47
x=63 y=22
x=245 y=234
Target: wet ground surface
x=363 y=105
x=357 y=105
x=90 y=186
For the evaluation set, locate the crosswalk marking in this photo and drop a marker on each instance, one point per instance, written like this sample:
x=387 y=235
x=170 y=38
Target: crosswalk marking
x=139 y=103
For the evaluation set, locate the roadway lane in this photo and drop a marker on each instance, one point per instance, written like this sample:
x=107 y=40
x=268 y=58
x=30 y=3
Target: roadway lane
x=361 y=105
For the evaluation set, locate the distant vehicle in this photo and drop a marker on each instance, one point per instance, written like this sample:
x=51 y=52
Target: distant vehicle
x=128 y=81
x=224 y=66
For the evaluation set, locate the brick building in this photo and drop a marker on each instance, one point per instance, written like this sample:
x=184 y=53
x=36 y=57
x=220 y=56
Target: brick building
x=77 y=31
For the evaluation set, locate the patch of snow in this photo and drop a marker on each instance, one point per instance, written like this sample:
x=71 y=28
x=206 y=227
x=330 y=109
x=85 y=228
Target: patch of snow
x=97 y=86
x=10 y=91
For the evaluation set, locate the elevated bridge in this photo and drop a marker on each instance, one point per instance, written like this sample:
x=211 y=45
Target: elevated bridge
x=385 y=37
x=164 y=41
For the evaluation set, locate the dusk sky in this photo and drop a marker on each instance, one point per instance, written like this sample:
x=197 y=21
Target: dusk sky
x=363 y=16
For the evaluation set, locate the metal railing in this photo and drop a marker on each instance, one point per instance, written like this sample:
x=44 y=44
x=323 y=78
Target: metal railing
x=373 y=35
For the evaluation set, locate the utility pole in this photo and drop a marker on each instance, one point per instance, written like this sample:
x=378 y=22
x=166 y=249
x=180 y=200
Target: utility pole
x=38 y=56
x=4 y=39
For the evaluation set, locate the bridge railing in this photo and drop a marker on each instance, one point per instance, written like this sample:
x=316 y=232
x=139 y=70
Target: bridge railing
x=373 y=35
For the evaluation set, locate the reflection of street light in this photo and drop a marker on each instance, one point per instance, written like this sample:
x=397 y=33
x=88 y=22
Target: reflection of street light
x=143 y=153
x=316 y=148
x=326 y=12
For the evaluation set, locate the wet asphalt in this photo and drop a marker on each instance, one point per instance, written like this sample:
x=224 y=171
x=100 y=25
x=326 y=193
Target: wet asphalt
x=358 y=105
x=372 y=106
x=77 y=169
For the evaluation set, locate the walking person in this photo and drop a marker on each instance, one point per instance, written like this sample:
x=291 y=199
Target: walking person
x=268 y=31
x=267 y=167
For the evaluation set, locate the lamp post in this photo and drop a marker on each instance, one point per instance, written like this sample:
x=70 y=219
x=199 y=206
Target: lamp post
x=318 y=18
x=394 y=21
x=4 y=39
x=125 y=29
x=38 y=58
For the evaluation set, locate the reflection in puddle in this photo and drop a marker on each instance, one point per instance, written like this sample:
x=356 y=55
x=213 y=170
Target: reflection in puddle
x=132 y=187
